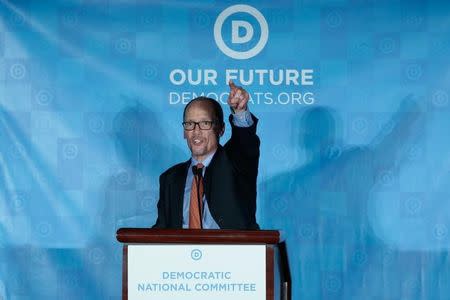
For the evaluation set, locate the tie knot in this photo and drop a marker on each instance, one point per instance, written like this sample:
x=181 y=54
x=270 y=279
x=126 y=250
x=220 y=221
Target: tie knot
x=199 y=166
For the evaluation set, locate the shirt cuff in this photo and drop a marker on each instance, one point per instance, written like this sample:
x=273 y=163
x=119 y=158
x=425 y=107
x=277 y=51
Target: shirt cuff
x=242 y=119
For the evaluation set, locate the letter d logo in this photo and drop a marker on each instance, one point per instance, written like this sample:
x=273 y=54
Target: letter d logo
x=235 y=38
x=236 y=26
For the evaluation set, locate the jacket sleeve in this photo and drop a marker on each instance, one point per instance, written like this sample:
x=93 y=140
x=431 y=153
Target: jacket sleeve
x=243 y=147
x=161 y=221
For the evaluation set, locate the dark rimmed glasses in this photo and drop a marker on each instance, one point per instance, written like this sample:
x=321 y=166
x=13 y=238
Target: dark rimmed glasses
x=203 y=125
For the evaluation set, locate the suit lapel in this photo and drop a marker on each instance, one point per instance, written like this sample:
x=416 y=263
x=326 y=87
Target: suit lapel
x=178 y=185
x=209 y=174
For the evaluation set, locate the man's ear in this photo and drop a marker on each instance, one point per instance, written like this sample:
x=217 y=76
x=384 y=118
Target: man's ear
x=221 y=131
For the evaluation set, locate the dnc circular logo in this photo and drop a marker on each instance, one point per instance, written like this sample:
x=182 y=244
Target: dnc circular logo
x=196 y=254
x=242 y=31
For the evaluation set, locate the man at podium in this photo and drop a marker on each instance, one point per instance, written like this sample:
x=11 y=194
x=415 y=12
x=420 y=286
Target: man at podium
x=216 y=187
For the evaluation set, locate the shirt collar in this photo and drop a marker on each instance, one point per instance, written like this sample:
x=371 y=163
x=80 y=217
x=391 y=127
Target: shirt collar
x=205 y=162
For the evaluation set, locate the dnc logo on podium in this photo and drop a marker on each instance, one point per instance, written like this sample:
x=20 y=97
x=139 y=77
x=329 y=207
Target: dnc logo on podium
x=244 y=35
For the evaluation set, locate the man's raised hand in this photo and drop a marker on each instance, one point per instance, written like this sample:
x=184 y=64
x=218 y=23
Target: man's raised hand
x=238 y=98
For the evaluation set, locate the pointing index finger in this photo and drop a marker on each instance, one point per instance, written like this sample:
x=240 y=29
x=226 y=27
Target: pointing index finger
x=231 y=84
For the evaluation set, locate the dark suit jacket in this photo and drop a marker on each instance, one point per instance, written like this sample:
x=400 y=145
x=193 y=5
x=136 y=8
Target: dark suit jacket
x=230 y=184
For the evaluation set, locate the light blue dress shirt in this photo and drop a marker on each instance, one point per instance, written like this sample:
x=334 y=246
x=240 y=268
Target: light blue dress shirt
x=242 y=119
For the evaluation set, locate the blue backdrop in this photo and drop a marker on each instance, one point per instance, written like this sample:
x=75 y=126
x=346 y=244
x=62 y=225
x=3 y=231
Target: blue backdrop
x=353 y=101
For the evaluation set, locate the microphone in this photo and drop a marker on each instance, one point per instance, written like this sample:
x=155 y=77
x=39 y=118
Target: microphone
x=197 y=171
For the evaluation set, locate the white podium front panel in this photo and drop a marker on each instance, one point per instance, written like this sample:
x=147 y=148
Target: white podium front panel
x=219 y=272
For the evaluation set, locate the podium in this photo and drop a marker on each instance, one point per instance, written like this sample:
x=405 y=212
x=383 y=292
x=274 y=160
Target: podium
x=203 y=264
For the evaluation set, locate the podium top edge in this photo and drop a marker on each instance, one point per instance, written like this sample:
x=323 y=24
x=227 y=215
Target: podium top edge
x=197 y=236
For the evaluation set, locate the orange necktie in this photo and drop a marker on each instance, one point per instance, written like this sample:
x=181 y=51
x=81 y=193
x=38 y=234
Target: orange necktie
x=196 y=199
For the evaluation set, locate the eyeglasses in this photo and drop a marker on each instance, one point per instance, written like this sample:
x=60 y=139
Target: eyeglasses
x=203 y=125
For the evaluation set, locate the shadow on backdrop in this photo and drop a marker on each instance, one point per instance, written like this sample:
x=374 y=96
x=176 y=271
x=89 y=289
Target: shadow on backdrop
x=131 y=192
x=324 y=208
x=145 y=151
